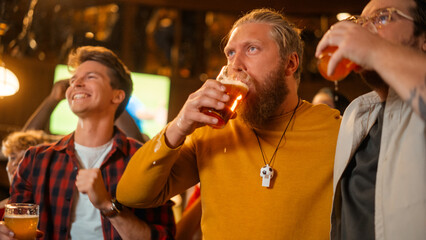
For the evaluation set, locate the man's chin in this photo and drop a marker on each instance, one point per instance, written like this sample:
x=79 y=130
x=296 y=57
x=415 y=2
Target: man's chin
x=373 y=80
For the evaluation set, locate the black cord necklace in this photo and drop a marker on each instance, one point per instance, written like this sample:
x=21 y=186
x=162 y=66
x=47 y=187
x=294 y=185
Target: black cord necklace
x=267 y=172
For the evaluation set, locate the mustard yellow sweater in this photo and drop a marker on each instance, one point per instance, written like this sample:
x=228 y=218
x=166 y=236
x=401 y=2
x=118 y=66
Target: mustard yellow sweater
x=227 y=162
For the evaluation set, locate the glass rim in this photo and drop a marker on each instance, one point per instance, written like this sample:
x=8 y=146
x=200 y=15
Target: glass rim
x=238 y=76
x=16 y=205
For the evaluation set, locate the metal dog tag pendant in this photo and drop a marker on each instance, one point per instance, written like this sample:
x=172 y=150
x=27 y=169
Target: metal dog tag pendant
x=266 y=173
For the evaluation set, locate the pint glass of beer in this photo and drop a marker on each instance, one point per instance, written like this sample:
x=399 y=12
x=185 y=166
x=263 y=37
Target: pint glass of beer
x=22 y=219
x=343 y=68
x=236 y=89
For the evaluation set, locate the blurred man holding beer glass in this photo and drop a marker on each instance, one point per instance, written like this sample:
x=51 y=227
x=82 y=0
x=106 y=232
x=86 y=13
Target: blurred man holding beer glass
x=267 y=172
x=380 y=167
x=74 y=180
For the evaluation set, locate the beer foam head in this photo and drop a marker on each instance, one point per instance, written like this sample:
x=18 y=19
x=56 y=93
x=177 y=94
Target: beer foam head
x=233 y=82
x=13 y=215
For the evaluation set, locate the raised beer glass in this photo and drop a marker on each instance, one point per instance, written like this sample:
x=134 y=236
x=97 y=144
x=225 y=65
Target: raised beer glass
x=235 y=88
x=343 y=68
x=22 y=219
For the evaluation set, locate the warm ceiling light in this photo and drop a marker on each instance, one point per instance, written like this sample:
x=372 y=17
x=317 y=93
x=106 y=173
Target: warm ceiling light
x=342 y=16
x=33 y=44
x=89 y=35
x=9 y=84
x=3 y=28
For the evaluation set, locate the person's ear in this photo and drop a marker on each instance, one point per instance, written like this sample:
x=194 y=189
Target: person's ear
x=292 y=64
x=119 y=96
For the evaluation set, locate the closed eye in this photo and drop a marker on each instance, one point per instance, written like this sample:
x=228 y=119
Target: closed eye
x=92 y=76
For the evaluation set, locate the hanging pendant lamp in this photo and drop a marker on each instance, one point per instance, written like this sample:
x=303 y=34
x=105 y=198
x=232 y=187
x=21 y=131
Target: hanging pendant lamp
x=9 y=83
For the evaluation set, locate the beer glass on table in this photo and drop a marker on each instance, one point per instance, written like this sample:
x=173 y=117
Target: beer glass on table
x=236 y=88
x=22 y=219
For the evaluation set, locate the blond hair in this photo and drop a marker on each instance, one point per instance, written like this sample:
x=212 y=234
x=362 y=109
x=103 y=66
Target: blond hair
x=22 y=140
x=285 y=33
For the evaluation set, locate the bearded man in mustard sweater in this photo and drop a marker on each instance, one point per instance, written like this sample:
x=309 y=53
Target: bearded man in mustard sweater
x=292 y=141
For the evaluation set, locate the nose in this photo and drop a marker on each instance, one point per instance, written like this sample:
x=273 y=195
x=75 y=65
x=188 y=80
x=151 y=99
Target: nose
x=11 y=167
x=77 y=82
x=369 y=25
x=237 y=63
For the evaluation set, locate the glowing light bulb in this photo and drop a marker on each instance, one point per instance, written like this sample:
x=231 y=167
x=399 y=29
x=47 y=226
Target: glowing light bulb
x=9 y=83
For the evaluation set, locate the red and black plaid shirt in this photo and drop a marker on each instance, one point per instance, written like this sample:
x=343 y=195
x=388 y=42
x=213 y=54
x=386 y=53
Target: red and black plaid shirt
x=46 y=176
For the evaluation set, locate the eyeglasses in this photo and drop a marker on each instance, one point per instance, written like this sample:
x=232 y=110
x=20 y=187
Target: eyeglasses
x=380 y=18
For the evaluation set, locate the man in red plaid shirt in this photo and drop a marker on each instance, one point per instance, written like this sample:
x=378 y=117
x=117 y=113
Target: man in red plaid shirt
x=74 y=180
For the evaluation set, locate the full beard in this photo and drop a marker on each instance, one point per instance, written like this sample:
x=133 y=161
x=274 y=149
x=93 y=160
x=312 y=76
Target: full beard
x=257 y=109
x=373 y=80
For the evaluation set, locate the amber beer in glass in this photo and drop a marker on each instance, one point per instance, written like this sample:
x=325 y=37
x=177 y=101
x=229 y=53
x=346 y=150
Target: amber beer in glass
x=22 y=219
x=236 y=89
x=344 y=67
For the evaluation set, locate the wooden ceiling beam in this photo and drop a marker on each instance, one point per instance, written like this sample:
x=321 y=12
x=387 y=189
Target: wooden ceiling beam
x=298 y=7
